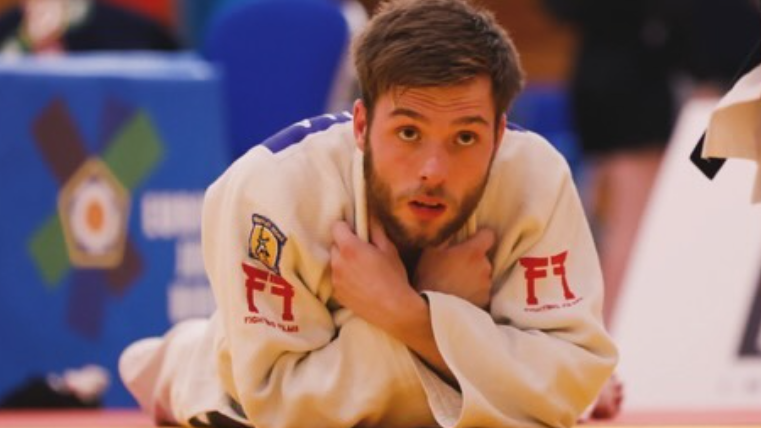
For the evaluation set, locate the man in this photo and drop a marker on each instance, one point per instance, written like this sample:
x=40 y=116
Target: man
x=425 y=265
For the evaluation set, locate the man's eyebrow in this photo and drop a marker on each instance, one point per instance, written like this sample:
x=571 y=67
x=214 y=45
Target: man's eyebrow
x=466 y=120
x=412 y=114
x=470 y=120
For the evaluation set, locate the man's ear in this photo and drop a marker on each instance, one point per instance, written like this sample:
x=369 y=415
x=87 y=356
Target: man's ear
x=360 y=124
x=501 y=126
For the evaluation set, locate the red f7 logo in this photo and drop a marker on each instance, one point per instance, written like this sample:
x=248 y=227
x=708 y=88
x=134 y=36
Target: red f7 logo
x=257 y=280
x=537 y=268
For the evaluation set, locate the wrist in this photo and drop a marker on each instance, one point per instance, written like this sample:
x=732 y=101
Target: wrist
x=415 y=330
x=413 y=320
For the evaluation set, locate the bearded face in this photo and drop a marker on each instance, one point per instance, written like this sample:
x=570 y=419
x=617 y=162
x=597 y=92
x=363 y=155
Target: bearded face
x=428 y=151
x=386 y=204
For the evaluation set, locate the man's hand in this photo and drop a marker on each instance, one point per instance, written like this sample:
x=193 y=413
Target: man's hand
x=370 y=279
x=462 y=270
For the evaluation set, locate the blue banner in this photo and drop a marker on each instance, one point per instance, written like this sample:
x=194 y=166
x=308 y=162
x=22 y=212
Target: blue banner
x=103 y=164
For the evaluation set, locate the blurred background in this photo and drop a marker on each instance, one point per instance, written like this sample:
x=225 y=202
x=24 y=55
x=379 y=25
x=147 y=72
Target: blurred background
x=115 y=115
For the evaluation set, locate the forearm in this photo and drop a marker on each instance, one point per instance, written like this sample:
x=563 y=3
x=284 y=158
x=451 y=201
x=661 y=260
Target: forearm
x=370 y=280
x=405 y=316
x=414 y=329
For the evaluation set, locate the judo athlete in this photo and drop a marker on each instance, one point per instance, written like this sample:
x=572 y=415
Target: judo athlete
x=416 y=263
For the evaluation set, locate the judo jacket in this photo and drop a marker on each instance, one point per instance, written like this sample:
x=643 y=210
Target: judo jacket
x=279 y=352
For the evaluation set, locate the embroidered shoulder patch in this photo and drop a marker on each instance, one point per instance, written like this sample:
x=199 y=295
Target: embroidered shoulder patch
x=266 y=242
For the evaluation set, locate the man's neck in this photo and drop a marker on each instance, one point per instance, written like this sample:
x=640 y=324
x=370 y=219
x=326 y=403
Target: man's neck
x=410 y=258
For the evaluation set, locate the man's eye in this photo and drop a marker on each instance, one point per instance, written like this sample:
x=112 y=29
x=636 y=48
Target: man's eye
x=408 y=134
x=466 y=139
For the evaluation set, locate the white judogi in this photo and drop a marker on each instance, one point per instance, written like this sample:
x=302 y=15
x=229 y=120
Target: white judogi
x=734 y=130
x=284 y=352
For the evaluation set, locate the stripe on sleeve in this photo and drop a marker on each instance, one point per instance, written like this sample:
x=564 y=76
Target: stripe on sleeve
x=300 y=130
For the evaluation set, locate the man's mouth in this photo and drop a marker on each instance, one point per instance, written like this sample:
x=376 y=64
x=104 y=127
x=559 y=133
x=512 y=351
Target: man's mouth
x=428 y=205
x=427 y=209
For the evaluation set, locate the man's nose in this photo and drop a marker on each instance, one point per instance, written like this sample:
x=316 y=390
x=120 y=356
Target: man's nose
x=435 y=167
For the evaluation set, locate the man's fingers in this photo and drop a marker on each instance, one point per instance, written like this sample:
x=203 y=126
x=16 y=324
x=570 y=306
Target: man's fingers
x=336 y=264
x=483 y=240
x=378 y=235
x=444 y=245
x=342 y=234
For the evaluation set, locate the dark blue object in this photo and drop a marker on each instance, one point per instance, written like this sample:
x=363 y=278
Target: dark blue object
x=279 y=60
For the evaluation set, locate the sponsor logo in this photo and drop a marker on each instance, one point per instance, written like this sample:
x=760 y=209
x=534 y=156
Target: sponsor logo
x=272 y=292
x=538 y=268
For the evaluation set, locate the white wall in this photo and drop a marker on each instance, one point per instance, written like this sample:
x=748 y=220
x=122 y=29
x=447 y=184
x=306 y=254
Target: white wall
x=687 y=294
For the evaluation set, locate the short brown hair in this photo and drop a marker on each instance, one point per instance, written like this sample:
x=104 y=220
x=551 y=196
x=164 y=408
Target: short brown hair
x=423 y=43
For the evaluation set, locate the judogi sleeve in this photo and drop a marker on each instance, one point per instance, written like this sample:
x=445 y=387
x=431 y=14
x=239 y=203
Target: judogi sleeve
x=283 y=355
x=540 y=355
x=734 y=130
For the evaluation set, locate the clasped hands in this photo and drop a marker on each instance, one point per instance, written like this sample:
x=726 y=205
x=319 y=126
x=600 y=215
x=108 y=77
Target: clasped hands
x=370 y=278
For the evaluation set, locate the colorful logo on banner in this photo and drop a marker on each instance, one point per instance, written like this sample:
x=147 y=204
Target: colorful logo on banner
x=87 y=236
